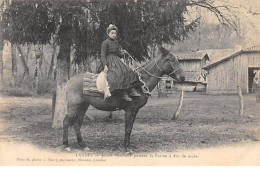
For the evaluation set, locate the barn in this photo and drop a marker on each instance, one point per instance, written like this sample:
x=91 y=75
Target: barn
x=192 y=63
x=237 y=69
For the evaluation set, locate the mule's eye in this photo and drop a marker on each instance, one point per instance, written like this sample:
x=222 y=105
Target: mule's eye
x=172 y=59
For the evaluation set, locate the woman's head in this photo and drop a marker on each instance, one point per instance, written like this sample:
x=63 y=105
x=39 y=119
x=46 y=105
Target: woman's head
x=112 y=31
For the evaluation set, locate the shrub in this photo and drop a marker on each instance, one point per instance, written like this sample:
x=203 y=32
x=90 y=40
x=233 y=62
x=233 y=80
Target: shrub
x=45 y=86
x=18 y=91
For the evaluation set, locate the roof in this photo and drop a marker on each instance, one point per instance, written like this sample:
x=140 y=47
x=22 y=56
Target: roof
x=218 y=54
x=228 y=56
x=198 y=55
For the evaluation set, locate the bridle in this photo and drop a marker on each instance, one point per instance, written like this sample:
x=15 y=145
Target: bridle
x=141 y=67
x=144 y=86
x=169 y=63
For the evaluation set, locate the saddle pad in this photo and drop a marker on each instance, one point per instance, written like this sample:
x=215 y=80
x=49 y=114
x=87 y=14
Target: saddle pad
x=89 y=84
x=93 y=93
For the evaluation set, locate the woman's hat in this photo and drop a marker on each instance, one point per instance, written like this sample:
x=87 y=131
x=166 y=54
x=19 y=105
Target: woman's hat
x=111 y=27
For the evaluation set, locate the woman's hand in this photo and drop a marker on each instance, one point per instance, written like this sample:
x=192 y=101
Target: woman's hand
x=106 y=69
x=123 y=51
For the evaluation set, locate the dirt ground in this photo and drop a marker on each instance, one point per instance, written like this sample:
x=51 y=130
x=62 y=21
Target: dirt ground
x=205 y=121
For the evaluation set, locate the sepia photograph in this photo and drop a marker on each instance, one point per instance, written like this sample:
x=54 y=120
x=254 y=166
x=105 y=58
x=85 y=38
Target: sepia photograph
x=129 y=82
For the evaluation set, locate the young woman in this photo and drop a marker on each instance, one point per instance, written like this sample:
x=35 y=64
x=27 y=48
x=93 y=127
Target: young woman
x=120 y=77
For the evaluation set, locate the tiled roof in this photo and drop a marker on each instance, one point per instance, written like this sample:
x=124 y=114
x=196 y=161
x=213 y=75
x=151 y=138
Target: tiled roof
x=190 y=55
x=226 y=56
x=218 y=54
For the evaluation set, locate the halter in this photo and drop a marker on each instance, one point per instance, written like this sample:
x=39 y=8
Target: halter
x=175 y=70
x=163 y=71
x=156 y=65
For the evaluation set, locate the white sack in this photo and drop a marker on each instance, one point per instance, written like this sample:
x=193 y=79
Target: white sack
x=102 y=84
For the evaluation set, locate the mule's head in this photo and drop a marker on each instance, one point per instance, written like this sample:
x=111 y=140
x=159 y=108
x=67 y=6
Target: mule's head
x=171 y=66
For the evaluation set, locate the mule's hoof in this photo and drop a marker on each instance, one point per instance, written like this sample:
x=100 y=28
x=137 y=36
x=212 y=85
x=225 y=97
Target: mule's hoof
x=64 y=148
x=68 y=149
x=129 y=151
x=86 y=149
x=83 y=145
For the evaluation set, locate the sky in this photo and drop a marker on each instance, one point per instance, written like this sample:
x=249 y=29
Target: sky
x=249 y=23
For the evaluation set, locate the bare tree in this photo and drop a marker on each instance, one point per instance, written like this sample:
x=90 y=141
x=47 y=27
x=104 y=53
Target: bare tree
x=224 y=12
x=14 y=64
x=1 y=48
x=51 y=69
x=25 y=66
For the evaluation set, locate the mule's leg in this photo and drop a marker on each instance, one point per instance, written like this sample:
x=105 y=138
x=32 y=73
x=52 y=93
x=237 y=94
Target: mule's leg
x=129 y=121
x=110 y=115
x=73 y=110
x=81 y=111
x=66 y=124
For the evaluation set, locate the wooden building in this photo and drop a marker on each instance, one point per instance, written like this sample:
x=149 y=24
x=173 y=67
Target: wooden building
x=192 y=63
x=237 y=69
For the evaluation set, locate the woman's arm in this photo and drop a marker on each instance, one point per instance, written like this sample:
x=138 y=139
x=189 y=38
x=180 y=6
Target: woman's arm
x=104 y=47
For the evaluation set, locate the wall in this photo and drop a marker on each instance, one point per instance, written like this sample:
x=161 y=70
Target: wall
x=226 y=76
x=190 y=65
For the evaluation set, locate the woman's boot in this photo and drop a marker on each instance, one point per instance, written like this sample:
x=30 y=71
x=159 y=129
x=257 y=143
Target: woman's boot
x=126 y=97
x=134 y=93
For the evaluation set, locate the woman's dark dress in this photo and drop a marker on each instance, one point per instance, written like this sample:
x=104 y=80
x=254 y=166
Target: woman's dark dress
x=119 y=75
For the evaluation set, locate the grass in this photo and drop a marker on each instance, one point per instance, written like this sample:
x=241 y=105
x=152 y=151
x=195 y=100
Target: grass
x=204 y=121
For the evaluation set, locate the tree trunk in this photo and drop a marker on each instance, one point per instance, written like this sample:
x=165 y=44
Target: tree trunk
x=50 y=73
x=25 y=66
x=40 y=72
x=27 y=52
x=36 y=76
x=1 y=55
x=89 y=69
x=54 y=84
x=1 y=61
x=62 y=76
x=14 y=64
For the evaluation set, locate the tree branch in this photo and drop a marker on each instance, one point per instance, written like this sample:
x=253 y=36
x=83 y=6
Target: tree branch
x=225 y=20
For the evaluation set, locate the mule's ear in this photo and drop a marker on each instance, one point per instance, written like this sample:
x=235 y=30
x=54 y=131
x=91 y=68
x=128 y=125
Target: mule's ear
x=164 y=51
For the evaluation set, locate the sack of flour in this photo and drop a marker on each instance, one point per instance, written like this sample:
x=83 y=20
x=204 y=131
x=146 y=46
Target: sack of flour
x=102 y=84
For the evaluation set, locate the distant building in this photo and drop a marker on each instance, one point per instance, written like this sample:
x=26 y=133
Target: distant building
x=191 y=63
x=230 y=71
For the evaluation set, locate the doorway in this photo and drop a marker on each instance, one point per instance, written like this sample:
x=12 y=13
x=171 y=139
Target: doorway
x=252 y=73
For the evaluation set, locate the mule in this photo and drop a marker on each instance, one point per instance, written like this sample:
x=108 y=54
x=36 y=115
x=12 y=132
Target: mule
x=78 y=103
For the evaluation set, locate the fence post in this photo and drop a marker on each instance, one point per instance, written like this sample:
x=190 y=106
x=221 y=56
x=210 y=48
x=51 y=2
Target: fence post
x=241 y=108
x=175 y=115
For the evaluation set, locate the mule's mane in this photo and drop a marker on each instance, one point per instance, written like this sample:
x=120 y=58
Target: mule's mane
x=164 y=52
x=146 y=64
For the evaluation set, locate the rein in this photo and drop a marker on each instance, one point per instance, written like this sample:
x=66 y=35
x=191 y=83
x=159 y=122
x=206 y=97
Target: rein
x=175 y=70
x=144 y=87
x=139 y=66
x=171 y=66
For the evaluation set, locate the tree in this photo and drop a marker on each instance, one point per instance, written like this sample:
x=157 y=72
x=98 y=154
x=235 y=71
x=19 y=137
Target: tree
x=82 y=25
x=14 y=64
x=51 y=69
x=34 y=22
x=1 y=47
x=25 y=66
